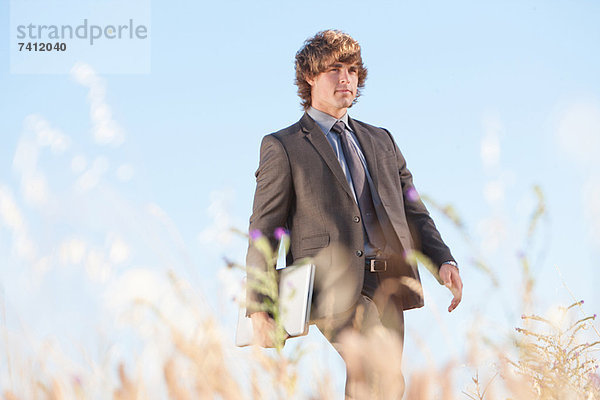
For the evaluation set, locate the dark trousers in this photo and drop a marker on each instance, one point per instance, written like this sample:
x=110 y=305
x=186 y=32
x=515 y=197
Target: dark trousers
x=370 y=341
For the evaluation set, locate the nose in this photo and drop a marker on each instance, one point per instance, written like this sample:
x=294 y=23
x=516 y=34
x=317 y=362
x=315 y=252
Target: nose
x=344 y=76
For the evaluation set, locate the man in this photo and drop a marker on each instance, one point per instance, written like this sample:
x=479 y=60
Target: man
x=342 y=189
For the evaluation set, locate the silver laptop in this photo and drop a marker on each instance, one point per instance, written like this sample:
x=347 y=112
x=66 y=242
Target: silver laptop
x=295 y=296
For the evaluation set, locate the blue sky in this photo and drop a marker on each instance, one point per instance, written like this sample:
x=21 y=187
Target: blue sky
x=484 y=99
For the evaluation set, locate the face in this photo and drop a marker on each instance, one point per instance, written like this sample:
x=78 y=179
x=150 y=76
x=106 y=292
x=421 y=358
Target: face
x=334 y=90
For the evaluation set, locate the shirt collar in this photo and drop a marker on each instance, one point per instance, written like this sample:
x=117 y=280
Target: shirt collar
x=326 y=121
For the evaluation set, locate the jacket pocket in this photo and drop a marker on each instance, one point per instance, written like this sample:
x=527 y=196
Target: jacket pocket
x=314 y=242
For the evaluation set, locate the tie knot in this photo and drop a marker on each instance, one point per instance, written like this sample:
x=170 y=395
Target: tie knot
x=339 y=127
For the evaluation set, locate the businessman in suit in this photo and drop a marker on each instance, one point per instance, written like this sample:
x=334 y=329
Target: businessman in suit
x=342 y=190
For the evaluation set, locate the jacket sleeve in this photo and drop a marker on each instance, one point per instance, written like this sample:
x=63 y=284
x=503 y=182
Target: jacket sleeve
x=425 y=235
x=270 y=210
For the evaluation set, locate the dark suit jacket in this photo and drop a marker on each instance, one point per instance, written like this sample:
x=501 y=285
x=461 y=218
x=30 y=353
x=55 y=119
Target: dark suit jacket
x=301 y=186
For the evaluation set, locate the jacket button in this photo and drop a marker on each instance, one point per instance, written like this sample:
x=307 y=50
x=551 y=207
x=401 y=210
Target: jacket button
x=356 y=219
x=359 y=253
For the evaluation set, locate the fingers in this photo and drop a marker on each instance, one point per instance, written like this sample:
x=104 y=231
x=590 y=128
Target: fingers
x=458 y=281
x=453 y=304
x=455 y=285
x=265 y=328
x=268 y=334
x=455 y=300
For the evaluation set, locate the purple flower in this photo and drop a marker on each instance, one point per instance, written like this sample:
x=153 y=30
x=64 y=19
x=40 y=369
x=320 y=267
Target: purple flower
x=594 y=316
x=411 y=194
x=279 y=233
x=581 y=302
x=255 y=234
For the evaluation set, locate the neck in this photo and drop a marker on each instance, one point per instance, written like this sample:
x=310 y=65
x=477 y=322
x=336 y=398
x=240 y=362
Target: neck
x=336 y=113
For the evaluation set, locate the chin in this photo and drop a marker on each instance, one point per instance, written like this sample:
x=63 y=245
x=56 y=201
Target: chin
x=348 y=103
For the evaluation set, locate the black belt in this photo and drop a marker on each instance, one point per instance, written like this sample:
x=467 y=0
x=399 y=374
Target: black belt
x=373 y=264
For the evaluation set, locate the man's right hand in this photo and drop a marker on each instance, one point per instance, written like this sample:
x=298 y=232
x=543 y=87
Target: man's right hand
x=263 y=327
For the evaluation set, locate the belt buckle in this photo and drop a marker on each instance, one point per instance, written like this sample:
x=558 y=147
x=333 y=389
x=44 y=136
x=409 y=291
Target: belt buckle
x=378 y=265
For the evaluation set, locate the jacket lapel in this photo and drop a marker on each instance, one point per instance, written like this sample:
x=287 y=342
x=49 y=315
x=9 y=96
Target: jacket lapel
x=368 y=149
x=319 y=141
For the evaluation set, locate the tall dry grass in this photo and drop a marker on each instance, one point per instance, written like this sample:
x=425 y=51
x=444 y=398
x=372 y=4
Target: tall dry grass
x=549 y=357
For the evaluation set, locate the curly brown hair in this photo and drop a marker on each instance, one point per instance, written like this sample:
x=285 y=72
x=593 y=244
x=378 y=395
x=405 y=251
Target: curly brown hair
x=319 y=52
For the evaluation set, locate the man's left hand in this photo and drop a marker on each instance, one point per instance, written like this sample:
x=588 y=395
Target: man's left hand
x=451 y=278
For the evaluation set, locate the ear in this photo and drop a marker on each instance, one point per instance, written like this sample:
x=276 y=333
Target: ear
x=311 y=81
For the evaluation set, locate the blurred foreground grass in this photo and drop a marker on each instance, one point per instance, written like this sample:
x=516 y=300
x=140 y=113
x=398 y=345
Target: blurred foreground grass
x=549 y=357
